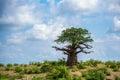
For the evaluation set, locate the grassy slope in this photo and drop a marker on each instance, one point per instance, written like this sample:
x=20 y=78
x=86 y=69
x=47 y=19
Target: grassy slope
x=56 y=70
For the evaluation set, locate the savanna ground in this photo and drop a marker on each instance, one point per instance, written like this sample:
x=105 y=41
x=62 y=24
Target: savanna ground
x=57 y=70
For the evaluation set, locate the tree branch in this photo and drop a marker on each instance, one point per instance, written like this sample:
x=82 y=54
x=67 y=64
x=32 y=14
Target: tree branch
x=61 y=49
x=87 y=46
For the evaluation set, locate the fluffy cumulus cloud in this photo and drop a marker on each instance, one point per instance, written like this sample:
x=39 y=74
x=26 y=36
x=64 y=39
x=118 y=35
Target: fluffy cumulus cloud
x=37 y=32
x=116 y=24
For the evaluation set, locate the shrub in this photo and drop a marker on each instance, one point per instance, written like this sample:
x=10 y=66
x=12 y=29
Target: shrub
x=60 y=73
x=3 y=76
x=46 y=68
x=81 y=65
x=94 y=75
x=59 y=62
x=92 y=62
x=16 y=64
x=18 y=69
x=8 y=77
x=115 y=69
x=9 y=65
x=1 y=65
x=35 y=63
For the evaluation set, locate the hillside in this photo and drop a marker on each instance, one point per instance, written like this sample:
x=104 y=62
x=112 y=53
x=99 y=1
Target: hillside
x=56 y=70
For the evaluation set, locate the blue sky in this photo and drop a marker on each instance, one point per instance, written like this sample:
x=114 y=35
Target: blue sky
x=28 y=28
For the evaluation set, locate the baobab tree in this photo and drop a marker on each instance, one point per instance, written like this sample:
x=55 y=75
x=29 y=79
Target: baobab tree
x=77 y=40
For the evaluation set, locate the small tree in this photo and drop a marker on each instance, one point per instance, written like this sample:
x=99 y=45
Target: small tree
x=77 y=42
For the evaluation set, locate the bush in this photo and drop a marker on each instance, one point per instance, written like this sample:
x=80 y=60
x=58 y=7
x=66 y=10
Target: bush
x=1 y=65
x=94 y=75
x=16 y=64
x=92 y=62
x=18 y=69
x=81 y=65
x=46 y=68
x=8 y=77
x=3 y=76
x=60 y=73
x=35 y=63
x=9 y=65
x=115 y=69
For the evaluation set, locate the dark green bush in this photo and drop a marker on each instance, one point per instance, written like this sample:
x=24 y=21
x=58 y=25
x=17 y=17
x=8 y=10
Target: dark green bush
x=92 y=62
x=1 y=65
x=12 y=77
x=46 y=68
x=35 y=63
x=60 y=73
x=3 y=76
x=9 y=65
x=16 y=64
x=94 y=75
x=115 y=69
x=7 y=68
x=81 y=65
x=18 y=69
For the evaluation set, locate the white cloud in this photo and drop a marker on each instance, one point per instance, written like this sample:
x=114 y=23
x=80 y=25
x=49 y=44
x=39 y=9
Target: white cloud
x=116 y=24
x=79 y=5
x=20 y=14
x=45 y=32
x=37 y=32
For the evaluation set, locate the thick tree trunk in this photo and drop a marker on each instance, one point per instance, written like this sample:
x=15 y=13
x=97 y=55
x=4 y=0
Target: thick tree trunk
x=72 y=60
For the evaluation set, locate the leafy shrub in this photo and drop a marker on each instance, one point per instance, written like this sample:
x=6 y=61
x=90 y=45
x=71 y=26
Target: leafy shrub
x=81 y=65
x=45 y=68
x=20 y=76
x=1 y=65
x=114 y=65
x=9 y=65
x=35 y=63
x=16 y=64
x=31 y=71
x=111 y=64
x=27 y=71
x=8 y=77
x=7 y=68
x=92 y=62
x=115 y=69
x=60 y=73
x=18 y=69
x=105 y=71
x=94 y=75
x=3 y=76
